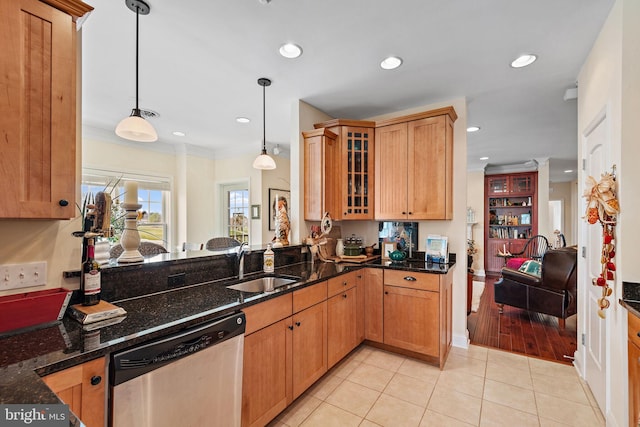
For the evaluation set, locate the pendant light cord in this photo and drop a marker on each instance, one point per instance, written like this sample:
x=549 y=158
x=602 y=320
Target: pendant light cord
x=264 y=122
x=137 y=42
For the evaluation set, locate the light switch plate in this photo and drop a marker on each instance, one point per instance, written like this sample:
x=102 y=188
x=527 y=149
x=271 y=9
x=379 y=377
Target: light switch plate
x=16 y=276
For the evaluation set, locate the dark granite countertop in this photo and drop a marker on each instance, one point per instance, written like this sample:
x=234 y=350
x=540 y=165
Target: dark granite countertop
x=27 y=355
x=631 y=297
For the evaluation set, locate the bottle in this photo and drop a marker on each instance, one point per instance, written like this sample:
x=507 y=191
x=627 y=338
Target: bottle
x=90 y=276
x=339 y=247
x=268 y=260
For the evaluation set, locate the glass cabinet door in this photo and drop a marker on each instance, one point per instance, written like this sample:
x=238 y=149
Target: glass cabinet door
x=498 y=185
x=359 y=152
x=521 y=184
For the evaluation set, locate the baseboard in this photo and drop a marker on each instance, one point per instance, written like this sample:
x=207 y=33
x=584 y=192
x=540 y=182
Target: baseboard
x=461 y=341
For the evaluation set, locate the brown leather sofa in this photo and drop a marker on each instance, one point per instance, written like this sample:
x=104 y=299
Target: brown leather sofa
x=553 y=293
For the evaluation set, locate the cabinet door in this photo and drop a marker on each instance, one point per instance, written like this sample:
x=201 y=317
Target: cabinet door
x=429 y=168
x=341 y=325
x=357 y=150
x=391 y=172
x=494 y=263
x=446 y=305
x=521 y=184
x=373 y=290
x=359 y=279
x=497 y=185
x=37 y=111
x=82 y=387
x=309 y=347
x=321 y=180
x=411 y=319
x=634 y=384
x=266 y=376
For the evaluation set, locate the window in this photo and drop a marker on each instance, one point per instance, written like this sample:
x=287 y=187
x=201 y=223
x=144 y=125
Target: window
x=153 y=194
x=236 y=211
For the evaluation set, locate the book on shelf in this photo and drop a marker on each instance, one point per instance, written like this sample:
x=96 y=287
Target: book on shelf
x=95 y=313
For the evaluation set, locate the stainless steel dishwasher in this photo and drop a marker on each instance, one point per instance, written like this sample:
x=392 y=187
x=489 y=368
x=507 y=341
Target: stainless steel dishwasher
x=192 y=378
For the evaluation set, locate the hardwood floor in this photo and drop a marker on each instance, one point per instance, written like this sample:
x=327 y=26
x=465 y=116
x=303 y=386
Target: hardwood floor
x=520 y=331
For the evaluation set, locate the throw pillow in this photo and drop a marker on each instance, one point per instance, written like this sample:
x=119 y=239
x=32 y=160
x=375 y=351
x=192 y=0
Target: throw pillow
x=532 y=267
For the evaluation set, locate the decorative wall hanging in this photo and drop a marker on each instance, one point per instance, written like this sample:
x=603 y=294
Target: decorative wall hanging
x=603 y=207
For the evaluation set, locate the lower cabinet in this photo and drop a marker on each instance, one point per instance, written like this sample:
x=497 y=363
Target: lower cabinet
x=417 y=312
x=634 y=369
x=82 y=387
x=411 y=319
x=285 y=357
x=373 y=297
x=342 y=313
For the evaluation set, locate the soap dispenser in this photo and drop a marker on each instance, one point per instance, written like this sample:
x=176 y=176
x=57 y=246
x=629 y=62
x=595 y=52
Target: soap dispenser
x=268 y=260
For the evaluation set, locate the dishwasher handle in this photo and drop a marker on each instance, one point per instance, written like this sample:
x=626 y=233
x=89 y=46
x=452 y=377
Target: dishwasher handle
x=146 y=357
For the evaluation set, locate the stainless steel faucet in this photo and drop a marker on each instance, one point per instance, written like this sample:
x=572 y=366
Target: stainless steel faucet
x=242 y=250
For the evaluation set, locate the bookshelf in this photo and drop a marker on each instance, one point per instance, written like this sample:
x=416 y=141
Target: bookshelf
x=510 y=215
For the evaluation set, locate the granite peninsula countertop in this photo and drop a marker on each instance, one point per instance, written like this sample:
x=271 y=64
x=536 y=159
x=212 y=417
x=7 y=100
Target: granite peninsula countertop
x=25 y=356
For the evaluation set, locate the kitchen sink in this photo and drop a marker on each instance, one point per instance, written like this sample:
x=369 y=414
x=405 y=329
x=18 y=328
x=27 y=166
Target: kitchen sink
x=262 y=283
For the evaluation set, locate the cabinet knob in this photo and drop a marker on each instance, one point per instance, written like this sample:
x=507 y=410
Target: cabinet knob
x=344 y=283
x=297 y=323
x=63 y=202
x=96 y=379
x=290 y=327
x=410 y=278
x=344 y=295
x=404 y=213
x=386 y=292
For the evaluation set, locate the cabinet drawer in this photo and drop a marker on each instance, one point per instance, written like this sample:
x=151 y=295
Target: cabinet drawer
x=341 y=283
x=634 y=329
x=268 y=312
x=413 y=280
x=309 y=296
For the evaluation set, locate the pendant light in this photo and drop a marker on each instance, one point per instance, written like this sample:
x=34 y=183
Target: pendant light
x=135 y=127
x=264 y=161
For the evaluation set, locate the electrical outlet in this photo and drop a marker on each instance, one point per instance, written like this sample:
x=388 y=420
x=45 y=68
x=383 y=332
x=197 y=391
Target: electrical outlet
x=16 y=276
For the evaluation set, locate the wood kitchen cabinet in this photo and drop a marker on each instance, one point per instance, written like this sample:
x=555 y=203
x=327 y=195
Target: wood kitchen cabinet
x=414 y=166
x=285 y=351
x=347 y=168
x=38 y=115
x=634 y=369
x=417 y=312
x=82 y=387
x=373 y=304
x=342 y=312
x=321 y=174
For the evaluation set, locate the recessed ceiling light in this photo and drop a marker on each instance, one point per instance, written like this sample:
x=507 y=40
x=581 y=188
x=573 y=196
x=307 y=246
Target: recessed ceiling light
x=391 y=63
x=178 y=133
x=568 y=171
x=484 y=158
x=473 y=129
x=290 y=50
x=242 y=120
x=523 y=60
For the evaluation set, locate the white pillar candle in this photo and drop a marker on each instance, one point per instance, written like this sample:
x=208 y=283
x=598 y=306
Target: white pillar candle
x=131 y=192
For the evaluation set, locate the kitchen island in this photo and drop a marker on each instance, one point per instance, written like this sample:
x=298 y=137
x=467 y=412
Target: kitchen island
x=27 y=356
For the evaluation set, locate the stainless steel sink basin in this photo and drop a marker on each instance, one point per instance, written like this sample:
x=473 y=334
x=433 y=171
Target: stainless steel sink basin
x=263 y=284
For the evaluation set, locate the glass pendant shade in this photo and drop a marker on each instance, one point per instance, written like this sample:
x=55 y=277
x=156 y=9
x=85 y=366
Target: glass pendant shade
x=136 y=128
x=264 y=161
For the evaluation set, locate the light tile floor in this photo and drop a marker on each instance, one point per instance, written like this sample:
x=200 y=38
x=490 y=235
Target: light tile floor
x=477 y=387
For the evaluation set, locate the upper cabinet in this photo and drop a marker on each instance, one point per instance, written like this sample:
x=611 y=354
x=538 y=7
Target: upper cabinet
x=414 y=166
x=339 y=157
x=38 y=116
x=396 y=169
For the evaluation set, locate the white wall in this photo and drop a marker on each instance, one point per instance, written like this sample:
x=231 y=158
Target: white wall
x=562 y=191
x=475 y=200
x=611 y=77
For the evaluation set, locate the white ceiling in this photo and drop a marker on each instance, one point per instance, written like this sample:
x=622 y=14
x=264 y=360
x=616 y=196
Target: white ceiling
x=200 y=61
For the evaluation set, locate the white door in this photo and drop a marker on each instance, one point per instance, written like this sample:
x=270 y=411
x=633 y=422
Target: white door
x=595 y=150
